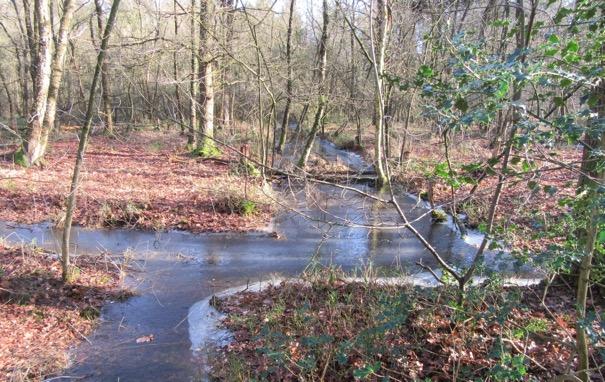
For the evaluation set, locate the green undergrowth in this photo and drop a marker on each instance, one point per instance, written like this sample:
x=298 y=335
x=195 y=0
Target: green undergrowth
x=329 y=328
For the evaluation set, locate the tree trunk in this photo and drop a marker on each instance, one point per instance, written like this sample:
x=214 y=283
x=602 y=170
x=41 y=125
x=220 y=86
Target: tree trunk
x=84 y=134
x=57 y=66
x=193 y=85
x=33 y=44
x=207 y=147
x=226 y=104
x=591 y=179
x=22 y=63
x=289 y=82
x=319 y=114
x=11 y=104
x=354 y=109
x=379 y=99
x=36 y=145
x=175 y=68
x=105 y=91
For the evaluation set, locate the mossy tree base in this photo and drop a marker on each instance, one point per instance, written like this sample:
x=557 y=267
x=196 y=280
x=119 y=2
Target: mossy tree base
x=207 y=150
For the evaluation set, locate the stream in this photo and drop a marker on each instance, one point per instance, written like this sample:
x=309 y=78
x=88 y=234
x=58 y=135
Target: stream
x=174 y=270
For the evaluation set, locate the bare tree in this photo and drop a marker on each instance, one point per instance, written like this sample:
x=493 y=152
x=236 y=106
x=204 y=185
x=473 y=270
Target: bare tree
x=289 y=81
x=378 y=52
x=206 y=146
x=322 y=99
x=84 y=134
x=105 y=86
x=193 y=84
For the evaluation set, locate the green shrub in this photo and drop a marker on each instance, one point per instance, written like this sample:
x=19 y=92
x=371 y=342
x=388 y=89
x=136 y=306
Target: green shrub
x=247 y=208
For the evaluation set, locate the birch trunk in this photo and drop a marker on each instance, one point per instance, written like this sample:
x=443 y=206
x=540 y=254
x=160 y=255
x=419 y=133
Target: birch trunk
x=57 y=67
x=35 y=143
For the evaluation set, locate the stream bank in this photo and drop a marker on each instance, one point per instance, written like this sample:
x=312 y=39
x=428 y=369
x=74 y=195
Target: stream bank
x=334 y=329
x=174 y=270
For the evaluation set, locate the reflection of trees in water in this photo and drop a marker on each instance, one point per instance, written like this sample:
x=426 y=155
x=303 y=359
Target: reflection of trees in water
x=377 y=236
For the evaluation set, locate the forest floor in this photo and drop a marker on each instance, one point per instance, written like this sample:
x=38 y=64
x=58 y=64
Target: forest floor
x=43 y=317
x=331 y=330
x=524 y=212
x=143 y=180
